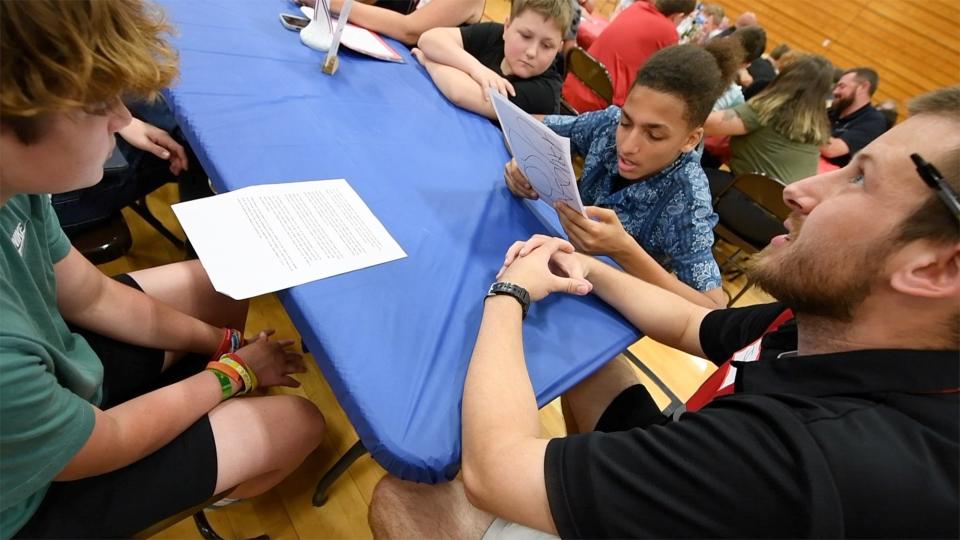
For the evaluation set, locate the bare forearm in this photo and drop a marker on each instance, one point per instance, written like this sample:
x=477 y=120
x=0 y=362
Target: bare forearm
x=725 y=122
x=638 y=263
x=835 y=147
x=502 y=453
x=459 y=88
x=134 y=429
x=442 y=46
x=384 y=21
x=408 y=28
x=498 y=399
x=660 y=314
x=130 y=316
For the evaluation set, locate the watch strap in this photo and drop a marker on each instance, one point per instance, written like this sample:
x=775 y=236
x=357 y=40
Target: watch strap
x=511 y=289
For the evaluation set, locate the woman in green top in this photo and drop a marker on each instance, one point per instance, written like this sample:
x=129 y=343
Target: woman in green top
x=779 y=131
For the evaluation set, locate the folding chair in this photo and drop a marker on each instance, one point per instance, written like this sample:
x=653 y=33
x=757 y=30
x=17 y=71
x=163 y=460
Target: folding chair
x=590 y=72
x=103 y=238
x=199 y=518
x=752 y=211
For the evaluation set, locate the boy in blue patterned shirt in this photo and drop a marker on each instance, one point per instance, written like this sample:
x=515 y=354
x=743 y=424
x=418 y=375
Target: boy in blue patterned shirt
x=650 y=201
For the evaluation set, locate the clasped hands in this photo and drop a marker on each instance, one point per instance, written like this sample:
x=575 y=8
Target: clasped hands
x=544 y=265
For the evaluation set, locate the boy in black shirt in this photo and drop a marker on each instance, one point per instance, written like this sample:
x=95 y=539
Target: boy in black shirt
x=518 y=59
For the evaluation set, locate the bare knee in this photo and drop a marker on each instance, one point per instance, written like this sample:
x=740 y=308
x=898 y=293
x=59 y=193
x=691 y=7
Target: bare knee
x=590 y=398
x=302 y=423
x=390 y=499
x=187 y=288
x=262 y=439
x=214 y=307
x=309 y=418
x=401 y=509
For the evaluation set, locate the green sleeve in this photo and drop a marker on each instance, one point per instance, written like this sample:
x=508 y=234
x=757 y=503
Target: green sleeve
x=749 y=117
x=56 y=239
x=42 y=424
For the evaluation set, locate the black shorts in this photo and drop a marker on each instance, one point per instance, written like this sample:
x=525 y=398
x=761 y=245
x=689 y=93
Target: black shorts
x=632 y=408
x=118 y=504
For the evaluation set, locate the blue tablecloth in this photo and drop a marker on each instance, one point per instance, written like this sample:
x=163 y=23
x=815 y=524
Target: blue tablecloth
x=394 y=340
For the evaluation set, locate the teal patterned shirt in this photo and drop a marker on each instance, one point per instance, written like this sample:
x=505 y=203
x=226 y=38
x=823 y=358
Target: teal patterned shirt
x=668 y=213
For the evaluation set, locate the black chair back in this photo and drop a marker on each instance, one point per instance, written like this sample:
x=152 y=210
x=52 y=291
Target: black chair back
x=751 y=211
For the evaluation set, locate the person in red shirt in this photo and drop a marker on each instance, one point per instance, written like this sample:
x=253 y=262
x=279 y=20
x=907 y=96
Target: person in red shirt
x=641 y=30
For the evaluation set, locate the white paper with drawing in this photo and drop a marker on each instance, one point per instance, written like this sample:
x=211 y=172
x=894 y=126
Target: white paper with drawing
x=542 y=155
x=261 y=239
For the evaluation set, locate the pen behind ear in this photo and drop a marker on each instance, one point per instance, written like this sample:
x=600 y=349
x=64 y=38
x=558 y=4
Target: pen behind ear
x=935 y=180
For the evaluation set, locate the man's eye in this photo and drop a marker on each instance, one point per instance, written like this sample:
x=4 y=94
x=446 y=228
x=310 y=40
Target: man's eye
x=857 y=179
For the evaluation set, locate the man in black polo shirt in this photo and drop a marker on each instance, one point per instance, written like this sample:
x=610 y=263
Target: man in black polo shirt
x=834 y=413
x=854 y=121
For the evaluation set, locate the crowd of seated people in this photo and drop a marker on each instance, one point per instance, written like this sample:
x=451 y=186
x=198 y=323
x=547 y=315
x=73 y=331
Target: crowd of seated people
x=117 y=404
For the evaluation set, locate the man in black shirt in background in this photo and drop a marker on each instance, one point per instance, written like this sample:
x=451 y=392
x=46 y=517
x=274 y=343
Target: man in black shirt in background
x=834 y=412
x=854 y=121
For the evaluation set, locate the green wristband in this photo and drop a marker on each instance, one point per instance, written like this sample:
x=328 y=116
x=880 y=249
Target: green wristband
x=226 y=385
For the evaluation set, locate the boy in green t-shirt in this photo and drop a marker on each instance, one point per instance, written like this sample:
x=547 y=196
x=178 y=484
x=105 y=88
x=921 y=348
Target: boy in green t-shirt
x=98 y=438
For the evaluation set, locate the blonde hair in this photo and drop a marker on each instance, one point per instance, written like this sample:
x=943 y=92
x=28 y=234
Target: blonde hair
x=794 y=104
x=57 y=55
x=559 y=11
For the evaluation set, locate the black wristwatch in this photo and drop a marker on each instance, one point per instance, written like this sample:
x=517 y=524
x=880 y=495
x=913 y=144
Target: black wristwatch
x=510 y=289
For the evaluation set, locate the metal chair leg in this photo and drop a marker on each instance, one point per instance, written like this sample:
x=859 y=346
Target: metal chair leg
x=141 y=208
x=342 y=464
x=745 y=288
x=204 y=528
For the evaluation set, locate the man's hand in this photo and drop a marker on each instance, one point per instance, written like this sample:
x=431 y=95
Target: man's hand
x=488 y=79
x=599 y=233
x=271 y=361
x=158 y=142
x=544 y=265
x=516 y=182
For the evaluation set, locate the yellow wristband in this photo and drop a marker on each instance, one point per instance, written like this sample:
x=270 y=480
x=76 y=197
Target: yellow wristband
x=253 y=375
x=248 y=383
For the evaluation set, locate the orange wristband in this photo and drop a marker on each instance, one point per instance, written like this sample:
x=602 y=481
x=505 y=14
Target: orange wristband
x=228 y=371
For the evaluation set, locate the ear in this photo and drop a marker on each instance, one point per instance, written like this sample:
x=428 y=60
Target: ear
x=506 y=23
x=927 y=270
x=693 y=139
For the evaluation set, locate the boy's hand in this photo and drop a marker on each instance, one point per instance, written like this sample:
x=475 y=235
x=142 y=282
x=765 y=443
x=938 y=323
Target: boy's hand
x=516 y=182
x=488 y=79
x=550 y=266
x=418 y=54
x=271 y=361
x=158 y=142
x=599 y=233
